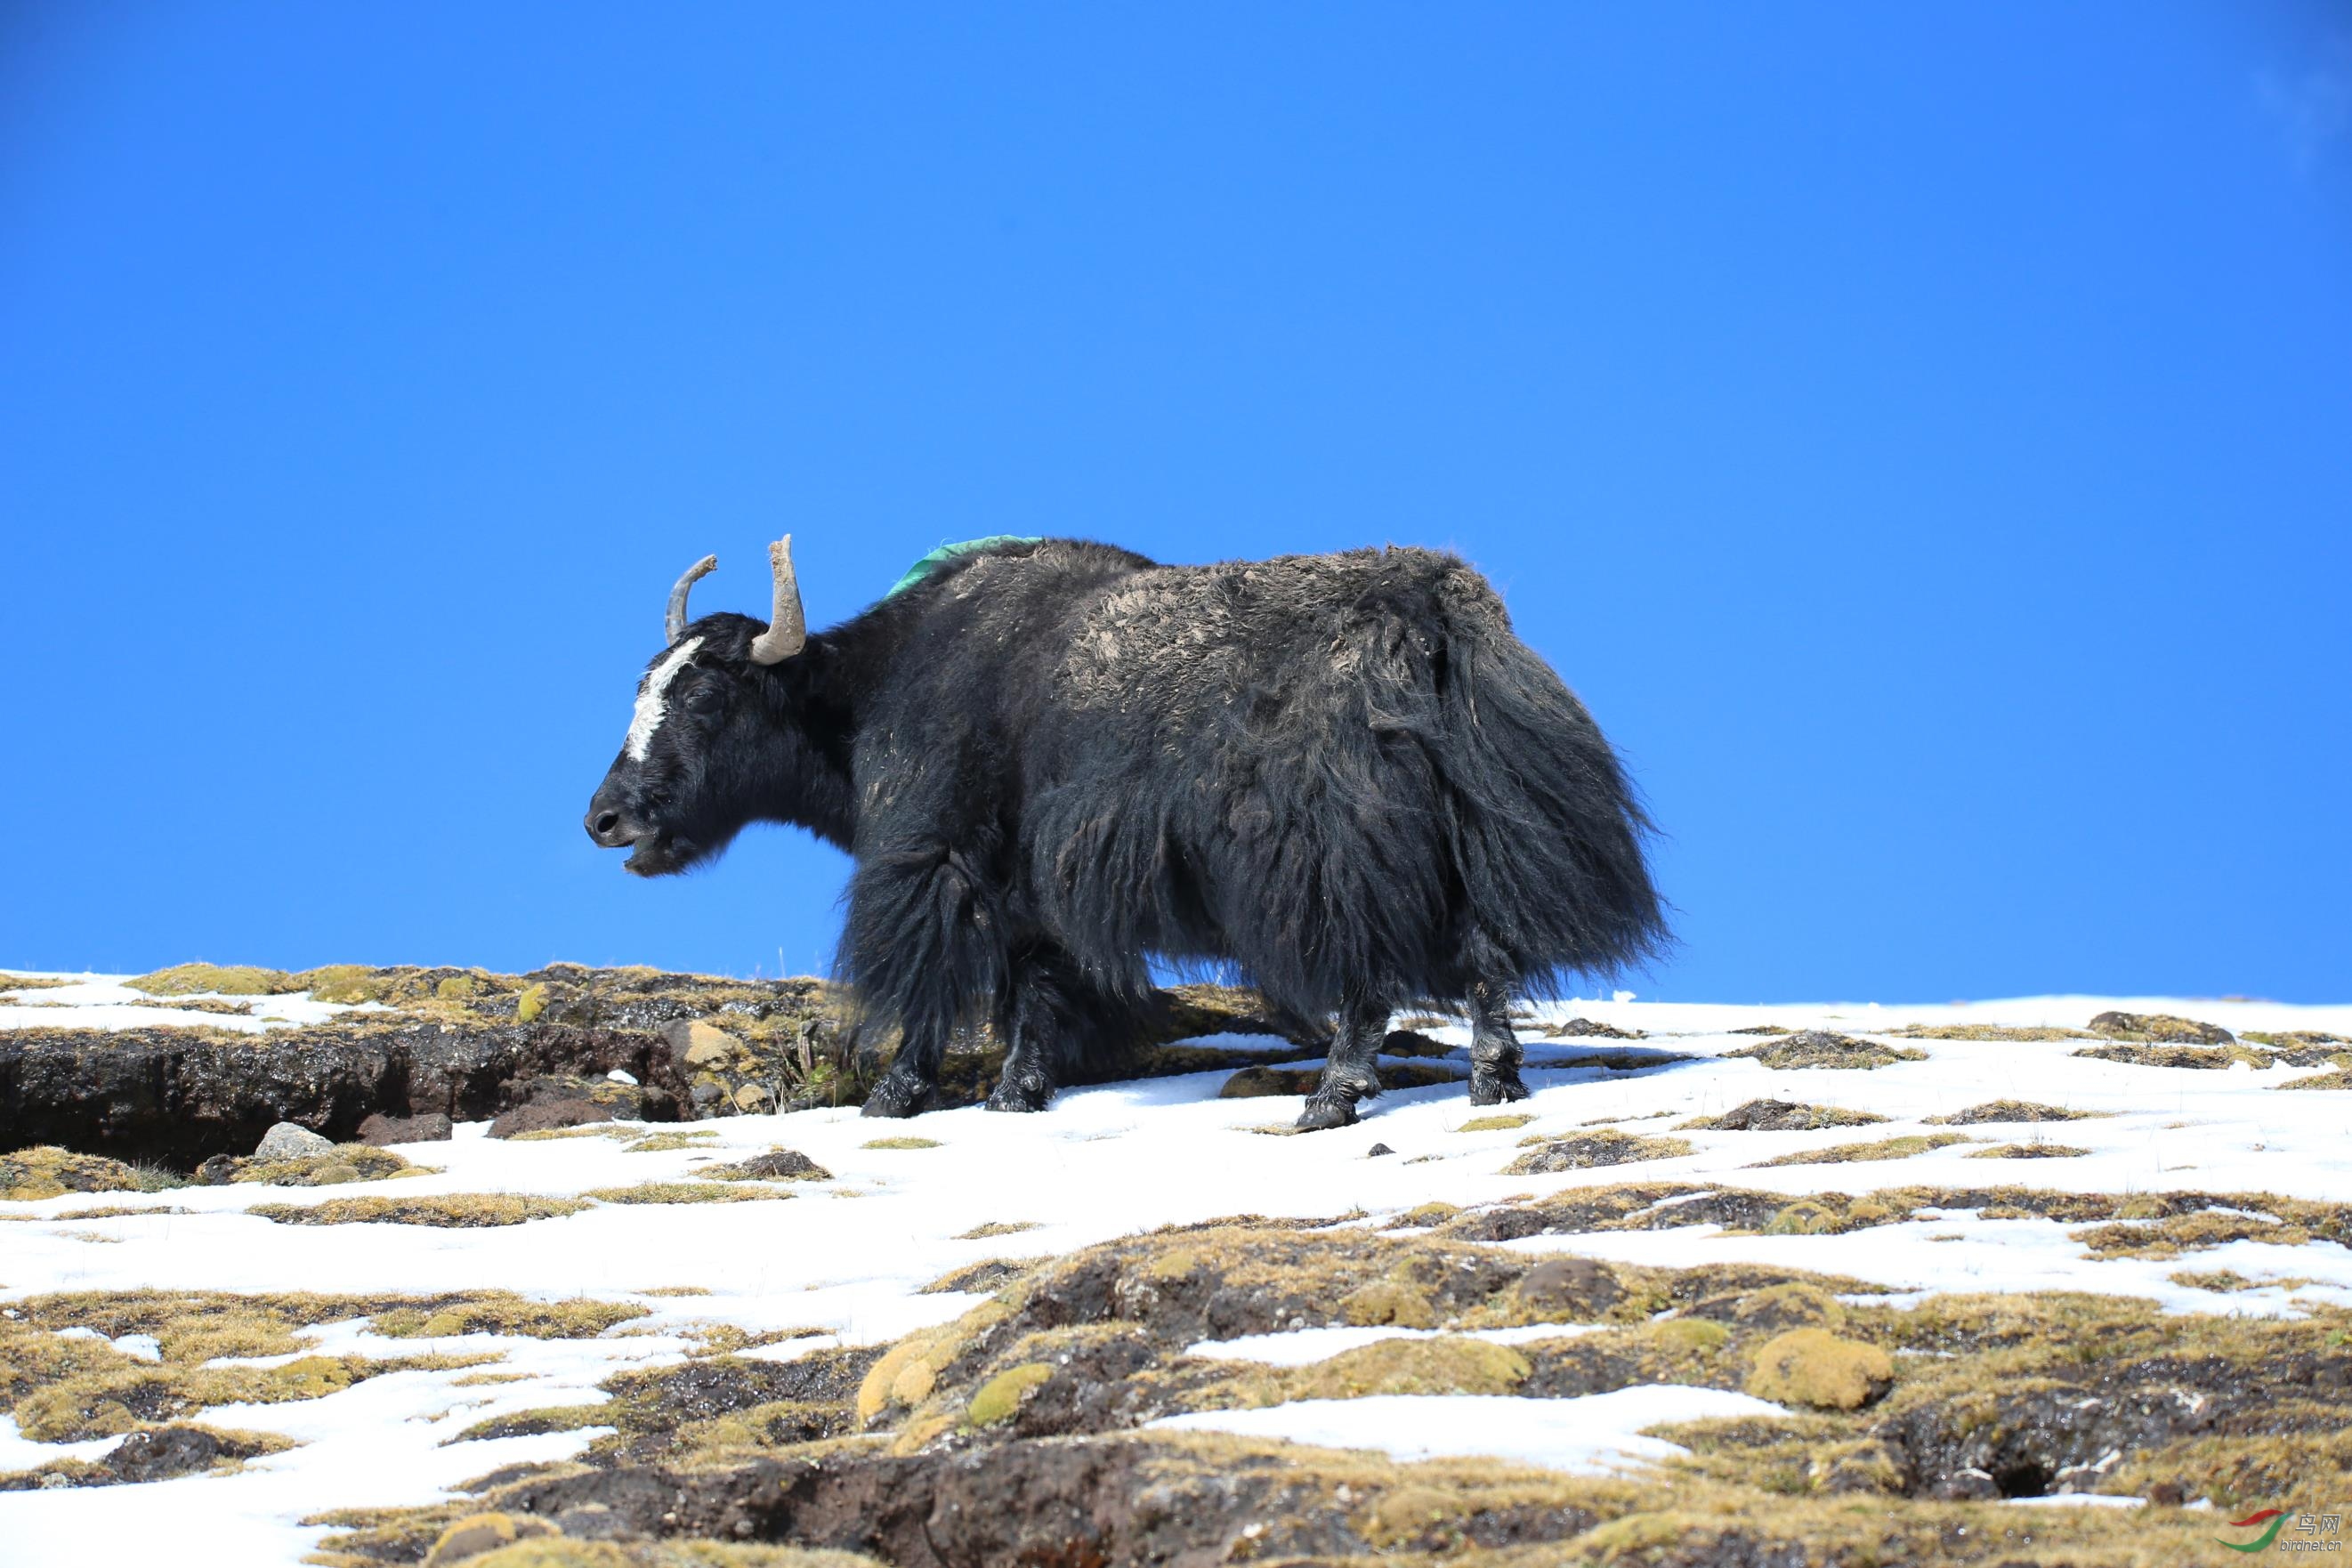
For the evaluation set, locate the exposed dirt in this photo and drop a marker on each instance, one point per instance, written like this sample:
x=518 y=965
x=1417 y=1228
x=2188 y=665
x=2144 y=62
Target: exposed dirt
x=532 y=1051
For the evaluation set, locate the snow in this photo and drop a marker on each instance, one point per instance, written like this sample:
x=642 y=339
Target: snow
x=848 y=1258
x=1595 y=1433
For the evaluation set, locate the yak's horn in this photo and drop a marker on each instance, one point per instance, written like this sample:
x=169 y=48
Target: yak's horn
x=787 y=628
x=674 y=627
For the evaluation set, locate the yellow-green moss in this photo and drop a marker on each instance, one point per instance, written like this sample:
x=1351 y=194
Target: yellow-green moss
x=999 y=1398
x=1495 y=1123
x=223 y=980
x=686 y=1193
x=328 y=1168
x=1585 y=1150
x=1902 y=1148
x=1815 y=1367
x=2030 y=1152
x=1446 y=1364
x=997 y=1228
x=661 y=1143
x=504 y=1312
x=531 y=1003
x=901 y=1143
x=48 y=1171
x=463 y=1211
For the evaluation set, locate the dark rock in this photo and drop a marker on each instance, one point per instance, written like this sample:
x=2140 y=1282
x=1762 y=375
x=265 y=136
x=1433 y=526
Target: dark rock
x=382 y=1130
x=546 y=1115
x=163 y=1453
x=217 y=1171
x=176 y=1096
x=1377 y=1150
x=1576 y=1286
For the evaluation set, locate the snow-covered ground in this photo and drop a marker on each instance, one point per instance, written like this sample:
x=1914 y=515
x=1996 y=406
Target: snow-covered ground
x=847 y=1257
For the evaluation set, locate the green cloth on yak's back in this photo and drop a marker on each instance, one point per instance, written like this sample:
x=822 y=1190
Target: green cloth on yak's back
x=946 y=552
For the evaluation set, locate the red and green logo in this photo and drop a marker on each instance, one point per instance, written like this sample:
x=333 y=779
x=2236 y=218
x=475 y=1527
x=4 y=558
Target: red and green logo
x=2277 y=1519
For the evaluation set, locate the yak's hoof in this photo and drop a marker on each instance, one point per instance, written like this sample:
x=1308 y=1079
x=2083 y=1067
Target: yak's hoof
x=1012 y=1094
x=896 y=1095
x=1496 y=1087
x=1322 y=1114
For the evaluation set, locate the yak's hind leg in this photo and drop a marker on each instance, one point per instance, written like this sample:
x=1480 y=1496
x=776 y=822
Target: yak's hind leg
x=1495 y=1053
x=1352 y=1073
x=1052 y=1021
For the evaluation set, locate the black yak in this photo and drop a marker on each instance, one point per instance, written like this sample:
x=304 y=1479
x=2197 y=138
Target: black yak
x=1343 y=775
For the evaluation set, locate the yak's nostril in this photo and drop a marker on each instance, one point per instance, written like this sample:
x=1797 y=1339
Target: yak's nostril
x=606 y=821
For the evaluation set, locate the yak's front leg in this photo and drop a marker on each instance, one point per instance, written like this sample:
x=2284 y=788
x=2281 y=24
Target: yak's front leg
x=1495 y=1053
x=920 y=942
x=1352 y=1073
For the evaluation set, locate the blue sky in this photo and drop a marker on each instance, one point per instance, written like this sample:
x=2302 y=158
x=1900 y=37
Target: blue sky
x=1922 y=433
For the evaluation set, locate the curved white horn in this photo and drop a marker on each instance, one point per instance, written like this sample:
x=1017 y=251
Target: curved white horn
x=674 y=626
x=787 y=629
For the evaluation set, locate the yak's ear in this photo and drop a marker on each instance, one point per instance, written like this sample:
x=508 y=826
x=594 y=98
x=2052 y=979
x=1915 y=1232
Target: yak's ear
x=787 y=630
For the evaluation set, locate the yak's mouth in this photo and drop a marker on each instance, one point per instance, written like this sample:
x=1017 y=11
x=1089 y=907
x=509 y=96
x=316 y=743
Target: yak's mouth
x=657 y=854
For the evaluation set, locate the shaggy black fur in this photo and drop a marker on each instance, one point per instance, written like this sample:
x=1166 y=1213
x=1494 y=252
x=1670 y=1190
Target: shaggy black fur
x=1342 y=775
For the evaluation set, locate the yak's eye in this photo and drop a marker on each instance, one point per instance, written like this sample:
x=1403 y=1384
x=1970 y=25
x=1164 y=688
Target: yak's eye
x=704 y=701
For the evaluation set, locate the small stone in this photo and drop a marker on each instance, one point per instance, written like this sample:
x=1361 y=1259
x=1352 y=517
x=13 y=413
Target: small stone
x=289 y=1141
x=694 y=1043
x=1377 y=1150
x=752 y=1099
x=2166 y=1494
x=708 y=1091
x=217 y=1171
x=382 y=1130
x=617 y=1076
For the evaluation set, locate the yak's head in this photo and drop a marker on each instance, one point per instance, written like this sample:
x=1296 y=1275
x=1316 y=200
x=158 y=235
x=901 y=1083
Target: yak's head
x=716 y=734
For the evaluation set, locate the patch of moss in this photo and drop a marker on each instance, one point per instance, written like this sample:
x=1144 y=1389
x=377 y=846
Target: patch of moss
x=213 y=1006
x=461 y=1211
x=531 y=1003
x=2010 y=1111
x=2168 y=1235
x=556 y=1553
x=615 y=1129
x=1991 y=1033
x=345 y=1163
x=223 y=980
x=997 y=1228
x=2208 y=1059
x=1821 y=1048
x=533 y=1423
x=2159 y=1026
x=504 y=1312
x=48 y=1171
x=908 y=1142
x=345 y=984
x=1815 y=1367
x=1586 y=1151
x=1505 y=1123
x=999 y=1398
x=1900 y=1148
x=686 y=1193
x=2030 y=1152
x=12 y=984
x=662 y=1142
x=2340 y=1079
x=1779 y=1116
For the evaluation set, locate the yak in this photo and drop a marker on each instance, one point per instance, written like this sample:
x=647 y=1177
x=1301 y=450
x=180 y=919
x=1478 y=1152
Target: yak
x=1054 y=761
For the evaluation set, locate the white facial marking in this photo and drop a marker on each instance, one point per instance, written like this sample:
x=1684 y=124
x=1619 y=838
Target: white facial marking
x=651 y=707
